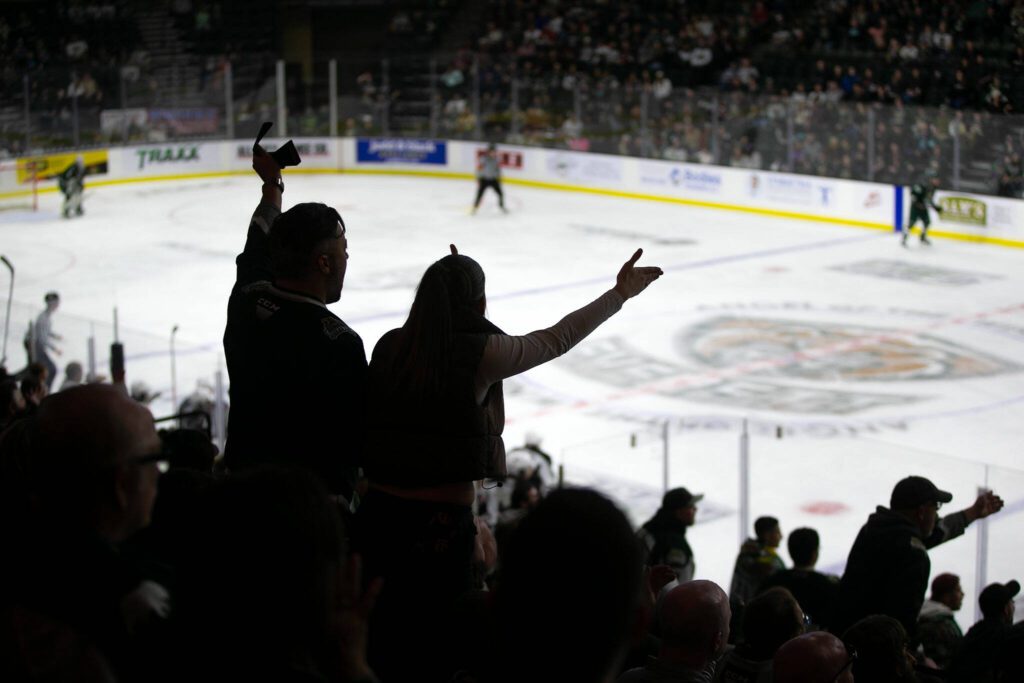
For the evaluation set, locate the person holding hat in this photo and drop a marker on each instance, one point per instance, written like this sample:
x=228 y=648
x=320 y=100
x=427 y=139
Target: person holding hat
x=977 y=659
x=663 y=537
x=937 y=630
x=888 y=567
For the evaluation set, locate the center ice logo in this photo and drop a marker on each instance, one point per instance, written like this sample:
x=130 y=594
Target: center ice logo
x=784 y=365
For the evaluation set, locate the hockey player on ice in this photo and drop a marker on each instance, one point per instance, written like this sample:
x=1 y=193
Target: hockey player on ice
x=922 y=196
x=72 y=185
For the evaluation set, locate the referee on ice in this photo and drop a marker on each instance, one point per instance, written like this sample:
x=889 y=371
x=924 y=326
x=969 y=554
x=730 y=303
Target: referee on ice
x=488 y=174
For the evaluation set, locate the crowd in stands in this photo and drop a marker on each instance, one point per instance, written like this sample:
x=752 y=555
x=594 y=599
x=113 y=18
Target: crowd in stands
x=779 y=86
x=71 y=55
x=354 y=530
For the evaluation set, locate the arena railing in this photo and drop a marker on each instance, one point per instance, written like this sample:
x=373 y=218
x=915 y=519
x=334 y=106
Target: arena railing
x=482 y=97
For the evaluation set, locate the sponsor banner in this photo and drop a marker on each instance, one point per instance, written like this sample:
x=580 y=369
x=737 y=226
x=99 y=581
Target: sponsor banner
x=169 y=158
x=197 y=121
x=979 y=214
x=50 y=166
x=508 y=158
x=577 y=167
x=964 y=210
x=401 y=151
x=320 y=153
x=804 y=191
x=308 y=148
x=687 y=178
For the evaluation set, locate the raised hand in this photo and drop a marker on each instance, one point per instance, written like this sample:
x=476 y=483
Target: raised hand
x=987 y=504
x=265 y=166
x=455 y=252
x=632 y=280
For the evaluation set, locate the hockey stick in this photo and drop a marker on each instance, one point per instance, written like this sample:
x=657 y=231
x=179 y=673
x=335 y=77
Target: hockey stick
x=7 y=316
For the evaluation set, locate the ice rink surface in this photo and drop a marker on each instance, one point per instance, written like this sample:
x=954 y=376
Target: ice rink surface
x=852 y=362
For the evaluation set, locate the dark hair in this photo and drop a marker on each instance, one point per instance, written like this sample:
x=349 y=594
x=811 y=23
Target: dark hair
x=30 y=385
x=769 y=620
x=803 y=543
x=51 y=296
x=8 y=387
x=38 y=370
x=581 y=630
x=763 y=525
x=296 y=233
x=521 y=492
x=272 y=532
x=880 y=642
x=448 y=288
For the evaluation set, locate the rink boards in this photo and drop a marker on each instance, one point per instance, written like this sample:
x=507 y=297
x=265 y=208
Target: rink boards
x=877 y=206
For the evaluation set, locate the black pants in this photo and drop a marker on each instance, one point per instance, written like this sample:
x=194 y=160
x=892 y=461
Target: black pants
x=483 y=184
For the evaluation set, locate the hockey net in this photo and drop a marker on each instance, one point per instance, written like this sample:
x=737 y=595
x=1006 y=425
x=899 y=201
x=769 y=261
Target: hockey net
x=19 y=187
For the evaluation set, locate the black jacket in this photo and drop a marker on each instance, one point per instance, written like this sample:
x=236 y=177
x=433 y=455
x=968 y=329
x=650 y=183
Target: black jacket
x=888 y=567
x=298 y=374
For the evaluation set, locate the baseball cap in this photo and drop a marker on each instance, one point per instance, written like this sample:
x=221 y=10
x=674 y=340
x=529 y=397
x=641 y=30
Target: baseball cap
x=680 y=498
x=914 y=491
x=995 y=596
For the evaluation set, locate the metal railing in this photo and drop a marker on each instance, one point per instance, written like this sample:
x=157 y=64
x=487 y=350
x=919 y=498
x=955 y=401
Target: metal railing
x=477 y=96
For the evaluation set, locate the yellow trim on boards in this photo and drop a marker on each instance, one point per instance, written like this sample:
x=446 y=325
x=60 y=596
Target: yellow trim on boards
x=983 y=239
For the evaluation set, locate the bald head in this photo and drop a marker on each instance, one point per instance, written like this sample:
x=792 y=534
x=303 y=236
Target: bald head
x=91 y=427
x=694 y=618
x=86 y=445
x=812 y=658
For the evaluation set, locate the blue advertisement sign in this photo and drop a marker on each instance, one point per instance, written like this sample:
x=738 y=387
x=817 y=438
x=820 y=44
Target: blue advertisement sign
x=401 y=151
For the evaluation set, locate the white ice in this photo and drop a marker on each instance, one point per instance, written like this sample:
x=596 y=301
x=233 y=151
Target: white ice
x=163 y=254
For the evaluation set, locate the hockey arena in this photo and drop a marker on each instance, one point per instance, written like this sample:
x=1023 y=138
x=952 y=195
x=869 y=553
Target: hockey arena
x=851 y=361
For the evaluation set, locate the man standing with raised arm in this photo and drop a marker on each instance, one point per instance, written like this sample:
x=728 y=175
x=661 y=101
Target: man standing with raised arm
x=297 y=370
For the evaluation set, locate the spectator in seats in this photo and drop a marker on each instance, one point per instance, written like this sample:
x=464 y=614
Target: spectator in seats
x=92 y=473
x=693 y=620
x=297 y=371
x=982 y=653
x=816 y=592
x=772 y=618
x=552 y=621
x=758 y=559
x=937 y=630
x=663 y=536
x=285 y=603
x=12 y=403
x=888 y=566
x=883 y=651
x=43 y=338
x=73 y=374
x=436 y=415
x=813 y=658
x=33 y=392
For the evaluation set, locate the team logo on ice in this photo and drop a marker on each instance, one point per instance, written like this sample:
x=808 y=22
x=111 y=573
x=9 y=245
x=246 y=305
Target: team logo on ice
x=785 y=365
x=832 y=352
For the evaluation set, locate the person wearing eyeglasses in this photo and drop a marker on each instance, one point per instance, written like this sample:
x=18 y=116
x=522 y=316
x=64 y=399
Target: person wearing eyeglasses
x=888 y=566
x=95 y=461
